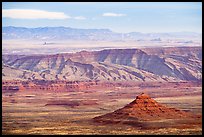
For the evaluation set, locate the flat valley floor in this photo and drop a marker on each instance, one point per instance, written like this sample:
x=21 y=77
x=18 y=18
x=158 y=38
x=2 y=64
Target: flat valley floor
x=47 y=113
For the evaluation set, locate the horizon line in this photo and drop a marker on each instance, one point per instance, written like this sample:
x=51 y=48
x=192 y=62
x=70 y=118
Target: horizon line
x=103 y=29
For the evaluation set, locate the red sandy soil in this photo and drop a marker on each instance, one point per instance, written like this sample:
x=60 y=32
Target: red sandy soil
x=84 y=85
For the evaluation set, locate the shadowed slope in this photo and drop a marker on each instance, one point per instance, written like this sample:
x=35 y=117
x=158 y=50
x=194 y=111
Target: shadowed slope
x=108 y=65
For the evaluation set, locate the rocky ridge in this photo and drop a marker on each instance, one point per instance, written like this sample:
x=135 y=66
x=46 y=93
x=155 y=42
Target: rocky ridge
x=107 y=65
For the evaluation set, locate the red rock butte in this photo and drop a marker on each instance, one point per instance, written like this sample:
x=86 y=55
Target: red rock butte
x=143 y=108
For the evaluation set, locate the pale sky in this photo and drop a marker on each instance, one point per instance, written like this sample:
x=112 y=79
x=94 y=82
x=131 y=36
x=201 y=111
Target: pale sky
x=117 y=16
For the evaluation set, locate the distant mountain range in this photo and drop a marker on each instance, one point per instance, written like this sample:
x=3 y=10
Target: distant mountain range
x=67 y=33
x=126 y=64
x=150 y=64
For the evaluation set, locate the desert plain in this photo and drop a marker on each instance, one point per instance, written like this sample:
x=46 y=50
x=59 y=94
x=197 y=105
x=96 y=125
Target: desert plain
x=72 y=112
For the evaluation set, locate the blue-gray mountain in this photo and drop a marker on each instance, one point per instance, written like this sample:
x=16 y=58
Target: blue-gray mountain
x=67 y=33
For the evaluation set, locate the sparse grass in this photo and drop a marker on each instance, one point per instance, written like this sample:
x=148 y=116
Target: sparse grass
x=26 y=112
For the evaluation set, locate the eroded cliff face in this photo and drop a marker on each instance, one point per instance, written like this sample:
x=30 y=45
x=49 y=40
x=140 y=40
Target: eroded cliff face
x=47 y=85
x=165 y=64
